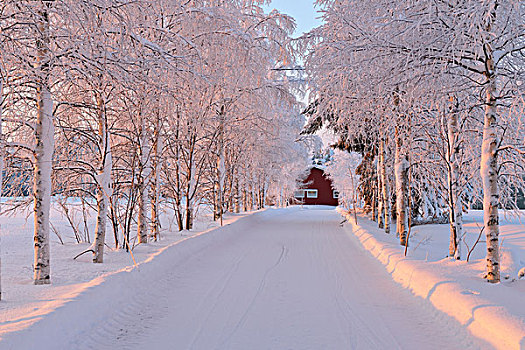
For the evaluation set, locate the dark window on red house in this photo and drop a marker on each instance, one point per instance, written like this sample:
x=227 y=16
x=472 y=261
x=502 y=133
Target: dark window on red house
x=317 y=189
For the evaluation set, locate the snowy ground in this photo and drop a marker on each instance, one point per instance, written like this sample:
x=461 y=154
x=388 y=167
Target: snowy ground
x=279 y=279
x=493 y=312
x=24 y=304
x=431 y=242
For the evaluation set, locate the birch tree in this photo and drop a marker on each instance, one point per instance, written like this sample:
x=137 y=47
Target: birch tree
x=123 y=103
x=2 y=150
x=483 y=40
x=44 y=143
x=366 y=49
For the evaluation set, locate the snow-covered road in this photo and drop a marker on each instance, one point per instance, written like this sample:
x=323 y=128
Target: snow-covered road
x=279 y=279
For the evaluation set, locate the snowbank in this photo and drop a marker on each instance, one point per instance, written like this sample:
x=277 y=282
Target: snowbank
x=494 y=313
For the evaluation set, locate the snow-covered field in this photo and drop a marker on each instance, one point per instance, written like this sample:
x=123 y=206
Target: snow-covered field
x=493 y=312
x=278 y=279
x=24 y=304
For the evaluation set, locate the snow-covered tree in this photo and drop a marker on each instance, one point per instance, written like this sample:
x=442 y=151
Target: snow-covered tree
x=380 y=70
x=131 y=106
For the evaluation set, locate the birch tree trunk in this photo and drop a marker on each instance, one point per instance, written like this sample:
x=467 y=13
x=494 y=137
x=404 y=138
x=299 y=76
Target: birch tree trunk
x=265 y=194
x=2 y=155
x=155 y=211
x=401 y=175
x=44 y=149
x=380 y=215
x=455 y=210
x=103 y=183
x=221 y=168
x=489 y=176
x=489 y=157
x=142 y=221
x=384 y=190
x=237 y=197
x=142 y=225
x=374 y=200
x=253 y=195
x=190 y=191
x=155 y=188
x=245 y=198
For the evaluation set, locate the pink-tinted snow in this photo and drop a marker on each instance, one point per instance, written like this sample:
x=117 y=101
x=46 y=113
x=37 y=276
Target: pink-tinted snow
x=279 y=279
x=495 y=313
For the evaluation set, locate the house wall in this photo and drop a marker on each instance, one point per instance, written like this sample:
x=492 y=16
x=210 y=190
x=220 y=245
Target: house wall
x=323 y=185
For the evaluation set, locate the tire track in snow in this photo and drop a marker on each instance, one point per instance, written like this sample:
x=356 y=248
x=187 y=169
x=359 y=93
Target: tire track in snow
x=282 y=256
x=336 y=257
x=286 y=280
x=224 y=282
x=135 y=314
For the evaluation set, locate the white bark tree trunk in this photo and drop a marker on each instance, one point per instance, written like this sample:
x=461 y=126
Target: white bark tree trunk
x=488 y=170
x=44 y=149
x=143 y=186
x=245 y=198
x=489 y=159
x=157 y=164
x=237 y=197
x=142 y=221
x=264 y=194
x=401 y=175
x=2 y=155
x=191 y=187
x=380 y=203
x=221 y=168
x=385 y=190
x=221 y=174
x=253 y=198
x=455 y=209
x=103 y=183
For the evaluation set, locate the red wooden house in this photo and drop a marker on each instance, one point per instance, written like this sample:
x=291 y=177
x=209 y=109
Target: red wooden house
x=317 y=189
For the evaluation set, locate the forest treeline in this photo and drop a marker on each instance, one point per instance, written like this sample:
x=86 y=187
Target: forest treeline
x=133 y=106
x=431 y=94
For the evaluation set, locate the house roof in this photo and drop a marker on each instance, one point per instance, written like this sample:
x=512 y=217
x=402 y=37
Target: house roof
x=318 y=166
x=308 y=171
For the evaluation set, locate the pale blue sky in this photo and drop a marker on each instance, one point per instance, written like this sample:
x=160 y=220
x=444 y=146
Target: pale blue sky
x=302 y=10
